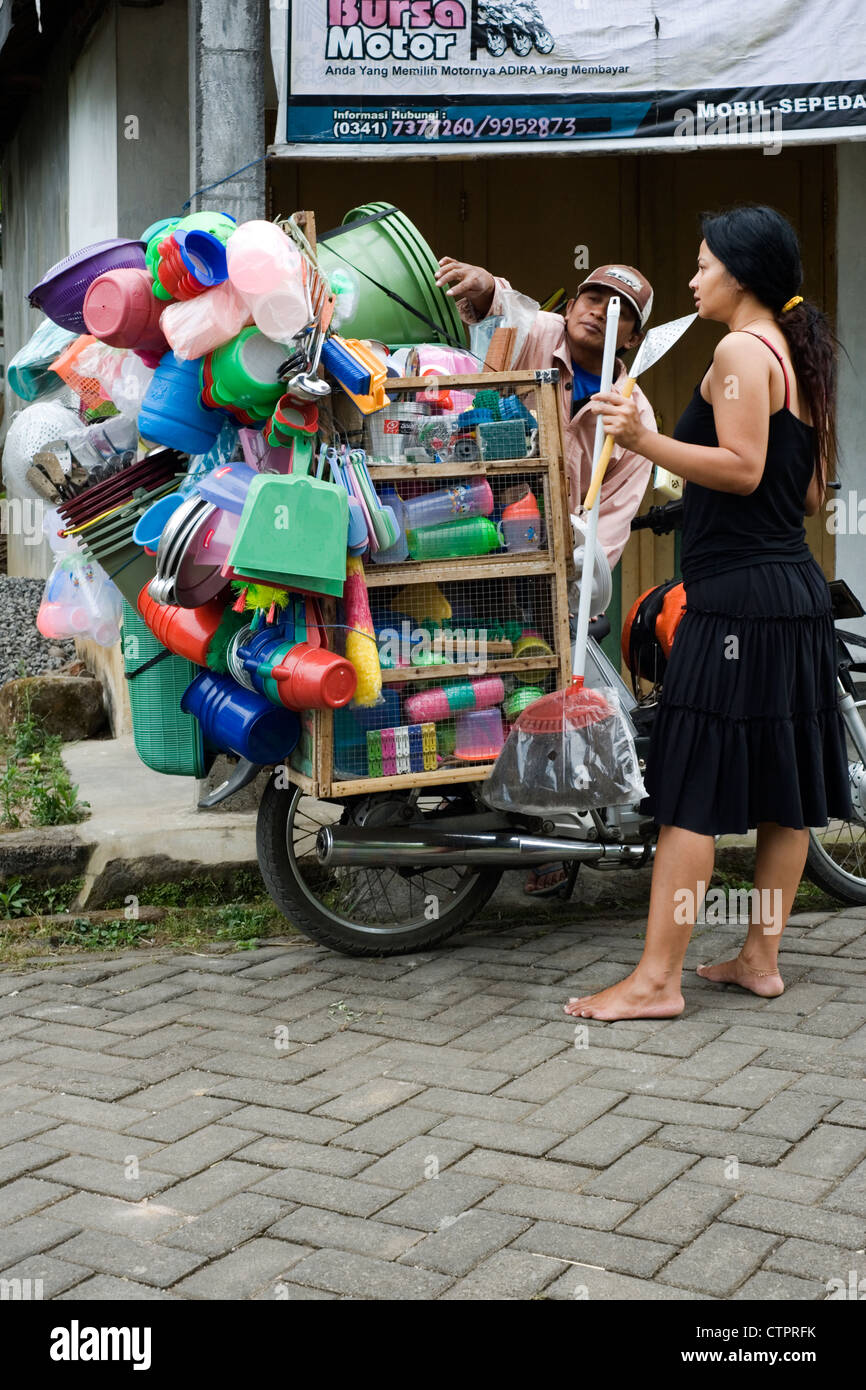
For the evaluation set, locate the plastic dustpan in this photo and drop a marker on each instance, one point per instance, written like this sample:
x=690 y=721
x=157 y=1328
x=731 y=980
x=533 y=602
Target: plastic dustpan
x=293 y=531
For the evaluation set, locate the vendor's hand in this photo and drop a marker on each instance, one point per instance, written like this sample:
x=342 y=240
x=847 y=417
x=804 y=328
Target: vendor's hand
x=471 y=282
x=621 y=418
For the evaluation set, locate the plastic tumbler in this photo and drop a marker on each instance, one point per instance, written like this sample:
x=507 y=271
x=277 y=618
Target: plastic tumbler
x=449 y=504
x=520 y=527
x=475 y=535
x=479 y=735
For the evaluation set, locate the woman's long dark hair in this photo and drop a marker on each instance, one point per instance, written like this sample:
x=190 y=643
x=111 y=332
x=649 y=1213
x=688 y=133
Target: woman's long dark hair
x=759 y=247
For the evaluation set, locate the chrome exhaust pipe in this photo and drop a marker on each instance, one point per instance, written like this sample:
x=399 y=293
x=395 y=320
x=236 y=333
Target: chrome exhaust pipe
x=405 y=847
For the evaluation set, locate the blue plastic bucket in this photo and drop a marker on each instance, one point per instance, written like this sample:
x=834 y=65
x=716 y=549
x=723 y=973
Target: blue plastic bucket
x=240 y=721
x=172 y=413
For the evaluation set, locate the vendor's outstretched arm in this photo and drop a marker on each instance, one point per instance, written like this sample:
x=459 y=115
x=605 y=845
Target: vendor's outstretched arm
x=470 y=283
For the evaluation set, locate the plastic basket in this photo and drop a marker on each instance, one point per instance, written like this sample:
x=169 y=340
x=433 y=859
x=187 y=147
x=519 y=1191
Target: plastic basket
x=87 y=388
x=61 y=291
x=166 y=739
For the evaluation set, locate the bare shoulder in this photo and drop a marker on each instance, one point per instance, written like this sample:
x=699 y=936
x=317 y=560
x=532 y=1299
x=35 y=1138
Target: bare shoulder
x=739 y=347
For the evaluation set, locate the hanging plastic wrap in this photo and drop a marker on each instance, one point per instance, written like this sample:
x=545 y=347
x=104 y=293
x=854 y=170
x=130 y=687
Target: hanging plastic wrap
x=29 y=372
x=555 y=759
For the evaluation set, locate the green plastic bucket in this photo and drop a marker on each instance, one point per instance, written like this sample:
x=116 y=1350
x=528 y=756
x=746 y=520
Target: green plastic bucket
x=395 y=254
x=166 y=739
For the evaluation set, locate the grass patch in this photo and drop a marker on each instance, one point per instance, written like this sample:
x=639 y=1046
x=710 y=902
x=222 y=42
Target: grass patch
x=35 y=789
x=244 y=886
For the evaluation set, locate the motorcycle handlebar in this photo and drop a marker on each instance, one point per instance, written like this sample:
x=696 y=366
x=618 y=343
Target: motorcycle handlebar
x=661 y=520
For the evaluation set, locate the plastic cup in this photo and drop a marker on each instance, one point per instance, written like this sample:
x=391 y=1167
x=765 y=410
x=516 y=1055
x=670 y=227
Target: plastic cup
x=314 y=678
x=474 y=536
x=479 y=735
x=260 y=257
x=449 y=504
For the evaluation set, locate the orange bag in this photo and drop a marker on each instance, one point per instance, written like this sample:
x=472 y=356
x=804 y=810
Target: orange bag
x=649 y=630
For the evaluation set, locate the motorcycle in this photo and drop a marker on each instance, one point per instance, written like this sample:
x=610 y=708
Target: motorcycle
x=396 y=872
x=500 y=26
x=534 y=22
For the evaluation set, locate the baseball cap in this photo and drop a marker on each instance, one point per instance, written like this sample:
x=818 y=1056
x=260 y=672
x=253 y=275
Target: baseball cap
x=627 y=282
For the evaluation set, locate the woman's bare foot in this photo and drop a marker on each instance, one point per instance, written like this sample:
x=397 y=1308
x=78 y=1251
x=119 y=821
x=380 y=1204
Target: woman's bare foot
x=767 y=983
x=631 y=998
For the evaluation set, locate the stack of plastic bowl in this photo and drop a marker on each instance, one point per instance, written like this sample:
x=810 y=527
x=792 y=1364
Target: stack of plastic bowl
x=61 y=292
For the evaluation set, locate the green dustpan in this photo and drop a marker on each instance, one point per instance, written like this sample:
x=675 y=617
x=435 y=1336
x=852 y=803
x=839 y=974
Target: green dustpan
x=293 y=531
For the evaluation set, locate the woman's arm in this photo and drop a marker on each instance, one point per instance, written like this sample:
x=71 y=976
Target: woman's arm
x=739 y=384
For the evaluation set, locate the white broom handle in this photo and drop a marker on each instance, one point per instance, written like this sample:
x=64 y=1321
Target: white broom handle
x=578 y=665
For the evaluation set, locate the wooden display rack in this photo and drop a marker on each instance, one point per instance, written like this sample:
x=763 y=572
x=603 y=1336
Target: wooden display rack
x=555 y=564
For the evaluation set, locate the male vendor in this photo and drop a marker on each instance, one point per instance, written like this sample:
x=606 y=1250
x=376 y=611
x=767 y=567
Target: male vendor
x=574 y=342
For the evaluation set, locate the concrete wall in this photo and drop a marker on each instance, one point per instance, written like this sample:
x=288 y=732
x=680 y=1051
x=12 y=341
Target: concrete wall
x=92 y=97
x=152 y=98
x=227 y=54
x=851 y=543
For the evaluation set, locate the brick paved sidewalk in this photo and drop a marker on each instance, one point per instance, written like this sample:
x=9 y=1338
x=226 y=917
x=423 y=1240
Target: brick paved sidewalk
x=291 y=1123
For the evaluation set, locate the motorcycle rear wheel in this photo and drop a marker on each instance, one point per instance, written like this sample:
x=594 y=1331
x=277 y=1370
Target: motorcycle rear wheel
x=544 y=41
x=496 y=43
x=362 y=911
x=521 y=43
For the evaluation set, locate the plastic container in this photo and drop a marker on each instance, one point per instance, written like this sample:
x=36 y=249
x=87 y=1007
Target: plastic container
x=462 y=500
x=521 y=699
x=397 y=553
x=479 y=735
x=120 y=310
x=166 y=739
x=61 y=292
x=171 y=412
x=245 y=369
x=185 y=631
x=391 y=251
x=474 y=536
x=148 y=529
x=305 y=677
x=442 y=702
x=265 y=268
x=521 y=524
x=531 y=644
x=204 y=255
x=240 y=721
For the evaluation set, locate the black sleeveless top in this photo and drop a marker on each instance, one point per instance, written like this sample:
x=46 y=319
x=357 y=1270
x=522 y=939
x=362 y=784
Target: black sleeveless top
x=724 y=531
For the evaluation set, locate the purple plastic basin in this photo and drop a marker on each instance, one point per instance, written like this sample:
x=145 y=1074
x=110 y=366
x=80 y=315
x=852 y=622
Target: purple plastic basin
x=61 y=292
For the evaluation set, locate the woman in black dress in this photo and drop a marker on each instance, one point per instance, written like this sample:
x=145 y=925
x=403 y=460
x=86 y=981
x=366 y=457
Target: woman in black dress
x=748 y=734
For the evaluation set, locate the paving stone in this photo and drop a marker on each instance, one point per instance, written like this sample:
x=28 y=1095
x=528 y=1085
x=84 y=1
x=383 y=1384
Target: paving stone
x=813 y=1260
x=492 y=1134
x=388 y=1131
x=100 y=1143
x=752 y=1086
x=850 y=1112
x=184 y=1083
x=521 y=1169
x=451 y=1102
x=205 y=1190
x=457 y=1078
x=274 y=1095
x=638 y=1083
x=789 y=1116
x=26 y=1195
x=198 y=1151
x=719 y=1260
x=600 y=1286
x=639 y=1174
x=104 y=1288
x=437 y=1201
x=573 y=1109
x=766 y=1182
x=294 y=1153
x=833 y=1020
x=370 y=1099
x=589 y=1246
x=284 y=1124
x=180 y=1120
x=54 y=1274
x=90 y=1085
x=254 y=1266
x=147 y=1220
x=160 y=1040
x=767 y=1284
x=33 y=1235
x=717 y=1061
x=722 y=1143
x=604 y=1140
x=682 y=1112
x=227 y=1225
x=101 y=1175
x=28 y=1156
x=496 y=1032
x=524 y=1054
x=828 y=1152
x=84 y=1111
x=681 y=1038
x=346 y=1195
x=359 y=1276
x=119 y=1255
x=470 y=1238
x=366 y=1236
x=412 y=1162
x=509 y=1274
x=835 y=1087
x=850 y=1195
x=678 y=1213
x=791 y=1219
x=285 y=1290
x=570 y=1208
x=804 y=1044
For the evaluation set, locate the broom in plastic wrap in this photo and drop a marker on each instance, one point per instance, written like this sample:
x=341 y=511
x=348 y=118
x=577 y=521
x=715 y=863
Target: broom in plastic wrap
x=573 y=749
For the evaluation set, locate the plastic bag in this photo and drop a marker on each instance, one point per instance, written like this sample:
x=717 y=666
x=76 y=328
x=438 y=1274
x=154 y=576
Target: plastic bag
x=102 y=441
x=518 y=311
x=193 y=327
x=555 y=760
x=221 y=451
x=79 y=600
x=28 y=373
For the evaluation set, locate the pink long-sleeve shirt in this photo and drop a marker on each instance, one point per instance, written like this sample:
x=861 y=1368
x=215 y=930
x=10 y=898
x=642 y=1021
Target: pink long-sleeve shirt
x=628 y=473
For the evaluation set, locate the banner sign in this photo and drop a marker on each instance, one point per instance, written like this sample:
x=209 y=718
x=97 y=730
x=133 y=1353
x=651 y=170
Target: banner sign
x=432 y=77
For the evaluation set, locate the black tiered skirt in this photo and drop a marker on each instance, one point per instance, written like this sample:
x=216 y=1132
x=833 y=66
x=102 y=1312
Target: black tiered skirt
x=748 y=728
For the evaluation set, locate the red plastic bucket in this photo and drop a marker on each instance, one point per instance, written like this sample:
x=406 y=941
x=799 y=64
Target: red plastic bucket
x=121 y=310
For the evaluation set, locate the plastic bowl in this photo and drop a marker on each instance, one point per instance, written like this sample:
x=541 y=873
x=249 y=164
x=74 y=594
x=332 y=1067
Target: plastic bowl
x=61 y=291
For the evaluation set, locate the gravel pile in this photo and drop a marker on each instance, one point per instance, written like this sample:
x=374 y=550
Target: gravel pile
x=19 y=638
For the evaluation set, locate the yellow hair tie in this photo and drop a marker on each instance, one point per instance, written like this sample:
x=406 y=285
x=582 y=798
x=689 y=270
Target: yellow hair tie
x=797 y=299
